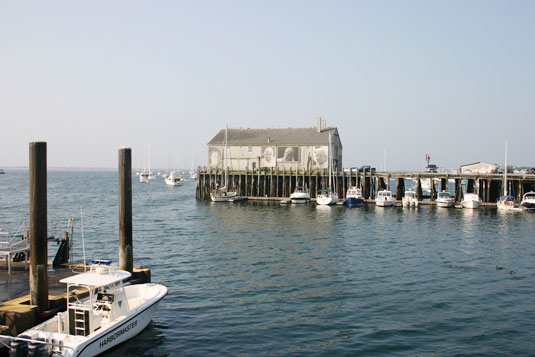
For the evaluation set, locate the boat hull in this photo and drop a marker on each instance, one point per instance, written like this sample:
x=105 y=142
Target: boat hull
x=385 y=203
x=354 y=201
x=444 y=204
x=327 y=200
x=300 y=197
x=118 y=334
x=470 y=204
x=223 y=197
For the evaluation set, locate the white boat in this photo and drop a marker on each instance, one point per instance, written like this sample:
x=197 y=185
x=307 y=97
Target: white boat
x=528 y=201
x=354 y=196
x=144 y=176
x=101 y=313
x=174 y=178
x=470 y=200
x=326 y=197
x=410 y=199
x=445 y=199
x=506 y=202
x=221 y=194
x=300 y=195
x=329 y=195
x=384 y=199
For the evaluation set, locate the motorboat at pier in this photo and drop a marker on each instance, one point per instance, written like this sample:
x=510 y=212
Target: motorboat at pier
x=300 y=195
x=384 y=199
x=101 y=313
x=470 y=200
x=354 y=196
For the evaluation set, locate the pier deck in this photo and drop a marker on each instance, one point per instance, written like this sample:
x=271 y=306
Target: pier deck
x=279 y=184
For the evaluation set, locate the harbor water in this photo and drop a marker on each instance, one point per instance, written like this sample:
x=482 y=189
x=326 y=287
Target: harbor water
x=259 y=278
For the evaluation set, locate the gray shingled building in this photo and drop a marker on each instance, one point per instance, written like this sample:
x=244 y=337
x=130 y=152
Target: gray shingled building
x=282 y=148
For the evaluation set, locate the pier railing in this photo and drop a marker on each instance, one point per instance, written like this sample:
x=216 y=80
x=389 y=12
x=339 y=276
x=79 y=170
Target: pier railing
x=272 y=183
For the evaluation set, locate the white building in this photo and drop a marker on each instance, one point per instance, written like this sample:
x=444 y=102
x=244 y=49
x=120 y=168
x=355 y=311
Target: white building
x=478 y=168
x=281 y=148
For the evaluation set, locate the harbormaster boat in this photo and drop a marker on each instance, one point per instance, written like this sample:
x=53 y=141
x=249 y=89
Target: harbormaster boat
x=101 y=313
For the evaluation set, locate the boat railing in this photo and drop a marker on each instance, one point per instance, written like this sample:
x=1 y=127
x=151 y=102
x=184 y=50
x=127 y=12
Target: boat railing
x=8 y=240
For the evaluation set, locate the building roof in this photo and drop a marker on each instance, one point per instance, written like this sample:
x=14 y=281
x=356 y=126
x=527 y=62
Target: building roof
x=478 y=163
x=274 y=136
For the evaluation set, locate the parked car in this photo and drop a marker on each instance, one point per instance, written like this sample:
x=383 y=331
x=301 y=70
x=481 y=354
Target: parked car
x=531 y=170
x=431 y=168
x=368 y=168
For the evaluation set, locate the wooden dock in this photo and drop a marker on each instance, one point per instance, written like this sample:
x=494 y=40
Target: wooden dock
x=271 y=183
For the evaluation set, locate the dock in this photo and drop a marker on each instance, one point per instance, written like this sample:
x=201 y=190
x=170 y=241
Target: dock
x=274 y=184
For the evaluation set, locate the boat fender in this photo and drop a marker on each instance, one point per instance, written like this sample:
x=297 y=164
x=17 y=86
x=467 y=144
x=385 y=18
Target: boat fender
x=36 y=349
x=19 y=348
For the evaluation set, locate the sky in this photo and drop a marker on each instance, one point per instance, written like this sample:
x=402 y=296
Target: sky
x=452 y=79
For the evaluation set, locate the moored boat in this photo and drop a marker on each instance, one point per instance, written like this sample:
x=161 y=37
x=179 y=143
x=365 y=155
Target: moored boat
x=300 y=195
x=409 y=199
x=354 y=196
x=528 y=201
x=470 y=200
x=507 y=203
x=384 y=199
x=221 y=194
x=445 y=199
x=174 y=178
x=326 y=197
x=101 y=313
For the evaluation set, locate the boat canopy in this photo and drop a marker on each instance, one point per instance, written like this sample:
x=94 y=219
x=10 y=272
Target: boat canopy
x=97 y=278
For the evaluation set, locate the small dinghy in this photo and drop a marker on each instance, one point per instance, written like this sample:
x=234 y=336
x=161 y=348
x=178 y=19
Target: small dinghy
x=101 y=313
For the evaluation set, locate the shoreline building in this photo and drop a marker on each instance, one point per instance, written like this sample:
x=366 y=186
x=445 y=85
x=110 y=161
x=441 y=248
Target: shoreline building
x=280 y=148
x=478 y=168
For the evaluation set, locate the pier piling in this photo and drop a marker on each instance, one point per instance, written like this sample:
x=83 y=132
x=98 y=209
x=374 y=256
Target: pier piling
x=126 y=255
x=38 y=226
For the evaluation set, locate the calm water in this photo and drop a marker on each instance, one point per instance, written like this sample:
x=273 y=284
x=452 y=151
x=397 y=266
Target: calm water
x=264 y=279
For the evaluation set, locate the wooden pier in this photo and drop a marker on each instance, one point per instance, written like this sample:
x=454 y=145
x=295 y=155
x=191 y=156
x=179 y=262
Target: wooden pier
x=279 y=184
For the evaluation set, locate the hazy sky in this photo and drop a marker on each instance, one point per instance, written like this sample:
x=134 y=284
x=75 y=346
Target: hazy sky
x=454 y=79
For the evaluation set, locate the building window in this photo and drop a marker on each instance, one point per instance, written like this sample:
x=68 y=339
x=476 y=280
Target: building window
x=250 y=149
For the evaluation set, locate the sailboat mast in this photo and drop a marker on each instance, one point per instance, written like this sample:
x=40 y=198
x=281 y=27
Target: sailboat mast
x=505 y=190
x=225 y=155
x=330 y=161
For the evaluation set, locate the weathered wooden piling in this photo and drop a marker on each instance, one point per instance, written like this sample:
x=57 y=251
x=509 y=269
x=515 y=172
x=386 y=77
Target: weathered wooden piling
x=126 y=254
x=38 y=226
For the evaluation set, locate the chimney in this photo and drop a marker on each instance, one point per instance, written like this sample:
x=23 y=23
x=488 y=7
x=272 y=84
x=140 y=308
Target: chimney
x=319 y=124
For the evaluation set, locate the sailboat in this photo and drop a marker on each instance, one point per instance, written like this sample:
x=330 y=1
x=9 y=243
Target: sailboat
x=221 y=194
x=174 y=178
x=145 y=176
x=328 y=196
x=506 y=202
x=192 y=172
